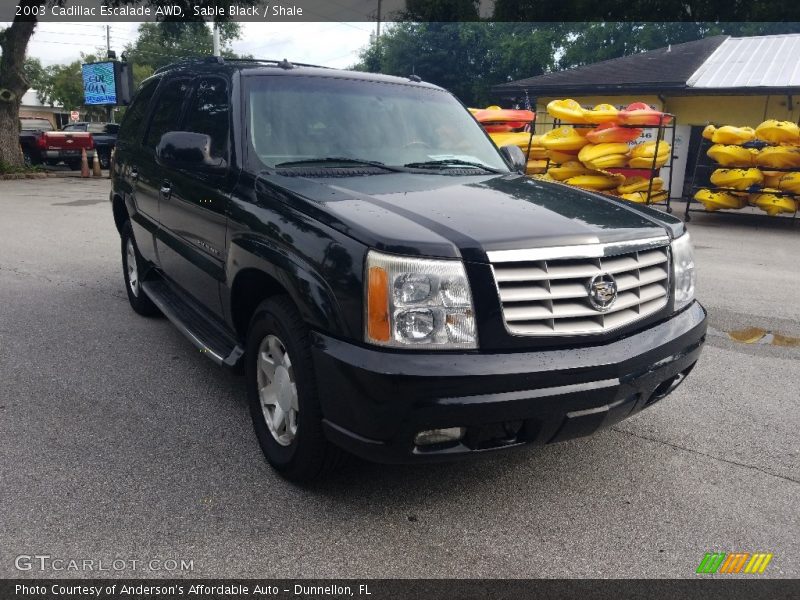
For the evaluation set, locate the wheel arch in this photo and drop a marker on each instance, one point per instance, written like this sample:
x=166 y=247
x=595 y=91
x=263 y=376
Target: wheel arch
x=257 y=272
x=120 y=211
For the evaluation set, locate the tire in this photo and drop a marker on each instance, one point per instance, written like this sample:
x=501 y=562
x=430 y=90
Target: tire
x=140 y=302
x=277 y=330
x=105 y=159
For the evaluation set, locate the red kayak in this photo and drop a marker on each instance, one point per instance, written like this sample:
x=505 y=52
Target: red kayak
x=611 y=132
x=640 y=113
x=511 y=117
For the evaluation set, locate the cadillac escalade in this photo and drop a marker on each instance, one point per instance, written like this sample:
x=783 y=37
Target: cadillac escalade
x=387 y=280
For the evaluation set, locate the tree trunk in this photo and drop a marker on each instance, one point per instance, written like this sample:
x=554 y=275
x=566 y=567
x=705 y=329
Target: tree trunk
x=13 y=84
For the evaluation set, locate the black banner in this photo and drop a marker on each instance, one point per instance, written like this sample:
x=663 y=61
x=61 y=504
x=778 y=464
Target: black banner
x=394 y=10
x=734 y=587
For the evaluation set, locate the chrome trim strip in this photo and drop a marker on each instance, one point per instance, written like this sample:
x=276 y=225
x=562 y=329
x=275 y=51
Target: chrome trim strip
x=582 y=251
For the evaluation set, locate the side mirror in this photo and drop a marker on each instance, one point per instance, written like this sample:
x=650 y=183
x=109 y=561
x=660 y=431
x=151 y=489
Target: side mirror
x=515 y=158
x=187 y=150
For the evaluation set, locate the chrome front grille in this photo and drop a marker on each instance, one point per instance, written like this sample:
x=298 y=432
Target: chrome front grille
x=546 y=291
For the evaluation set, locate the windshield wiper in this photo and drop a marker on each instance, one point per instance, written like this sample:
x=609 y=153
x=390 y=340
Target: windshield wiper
x=450 y=162
x=337 y=159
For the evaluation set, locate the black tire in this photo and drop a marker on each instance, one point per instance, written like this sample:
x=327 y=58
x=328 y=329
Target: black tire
x=105 y=159
x=140 y=302
x=309 y=454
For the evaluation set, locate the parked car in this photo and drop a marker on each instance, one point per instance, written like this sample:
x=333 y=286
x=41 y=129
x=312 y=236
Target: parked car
x=104 y=135
x=389 y=281
x=41 y=144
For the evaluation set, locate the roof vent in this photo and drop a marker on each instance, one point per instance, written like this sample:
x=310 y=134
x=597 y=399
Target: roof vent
x=285 y=64
x=414 y=78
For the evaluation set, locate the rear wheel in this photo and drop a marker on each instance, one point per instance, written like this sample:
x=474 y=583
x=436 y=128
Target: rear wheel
x=132 y=264
x=282 y=393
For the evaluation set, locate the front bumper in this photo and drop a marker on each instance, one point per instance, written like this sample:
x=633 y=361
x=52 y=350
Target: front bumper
x=375 y=402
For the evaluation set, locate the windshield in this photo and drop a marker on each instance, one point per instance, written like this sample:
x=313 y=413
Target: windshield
x=299 y=119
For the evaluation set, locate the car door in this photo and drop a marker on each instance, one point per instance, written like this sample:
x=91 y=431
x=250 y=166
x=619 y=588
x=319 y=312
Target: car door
x=194 y=202
x=165 y=115
x=130 y=157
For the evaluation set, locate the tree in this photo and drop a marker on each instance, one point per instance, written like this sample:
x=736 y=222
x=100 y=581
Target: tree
x=159 y=44
x=14 y=82
x=466 y=58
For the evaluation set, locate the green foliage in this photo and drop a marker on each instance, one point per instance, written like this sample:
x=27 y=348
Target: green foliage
x=159 y=44
x=34 y=72
x=468 y=58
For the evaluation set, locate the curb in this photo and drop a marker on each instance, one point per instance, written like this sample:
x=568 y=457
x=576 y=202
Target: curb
x=54 y=175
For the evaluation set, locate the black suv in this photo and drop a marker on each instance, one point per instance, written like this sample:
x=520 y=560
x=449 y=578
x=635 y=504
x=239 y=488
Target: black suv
x=388 y=281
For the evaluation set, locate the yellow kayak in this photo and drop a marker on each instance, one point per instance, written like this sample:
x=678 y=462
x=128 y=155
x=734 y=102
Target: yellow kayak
x=778 y=157
x=772 y=178
x=535 y=167
x=563 y=139
x=790 y=182
x=647 y=162
x=713 y=200
x=609 y=161
x=730 y=156
x=733 y=135
x=569 y=169
x=592 y=152
x=738 y=179
x=640 y=184
x=567 y=110
x=648 y=149
x=642 y=198
x=559 y=158
x=778 y=132
x=602 y=113
x=597 y=181
x=772 y=204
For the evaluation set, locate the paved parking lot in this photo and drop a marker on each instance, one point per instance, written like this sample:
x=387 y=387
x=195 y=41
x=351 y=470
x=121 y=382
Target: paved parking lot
x=118 y=439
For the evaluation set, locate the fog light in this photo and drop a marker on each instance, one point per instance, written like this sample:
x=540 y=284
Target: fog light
x=439 y=436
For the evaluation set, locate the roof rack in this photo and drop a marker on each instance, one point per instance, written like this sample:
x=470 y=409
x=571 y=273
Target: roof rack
x=284 y=64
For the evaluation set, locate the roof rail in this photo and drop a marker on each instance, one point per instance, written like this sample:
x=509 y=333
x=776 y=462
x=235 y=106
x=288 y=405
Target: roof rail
x=204 y=60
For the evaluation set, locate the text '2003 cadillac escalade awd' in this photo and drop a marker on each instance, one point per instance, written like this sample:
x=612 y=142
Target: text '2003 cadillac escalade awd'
x=391 y=285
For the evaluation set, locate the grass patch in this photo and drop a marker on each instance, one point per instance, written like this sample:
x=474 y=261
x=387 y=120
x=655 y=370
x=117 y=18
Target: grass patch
x=7 y=169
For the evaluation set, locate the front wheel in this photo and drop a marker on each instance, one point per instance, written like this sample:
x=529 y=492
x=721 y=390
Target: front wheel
x=132 y=264
x=282 y=393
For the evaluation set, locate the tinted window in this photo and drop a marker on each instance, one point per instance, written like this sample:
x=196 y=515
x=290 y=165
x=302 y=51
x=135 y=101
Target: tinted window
x=96 y=128
x=74 y=128
x=208 y=113
x=167 y=110
x=38 y=124
x=131 y=127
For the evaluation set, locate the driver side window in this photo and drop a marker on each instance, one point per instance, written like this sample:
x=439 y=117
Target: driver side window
x=208 y=113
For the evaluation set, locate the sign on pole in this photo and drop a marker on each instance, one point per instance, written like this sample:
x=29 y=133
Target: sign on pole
x=74 y=115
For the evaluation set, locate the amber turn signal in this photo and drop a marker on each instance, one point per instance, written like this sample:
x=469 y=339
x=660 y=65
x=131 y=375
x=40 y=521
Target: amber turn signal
x=378 y=327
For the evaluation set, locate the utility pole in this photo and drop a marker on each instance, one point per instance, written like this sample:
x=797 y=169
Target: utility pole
x=378 y=20
x=216 y=39
x=110 y=114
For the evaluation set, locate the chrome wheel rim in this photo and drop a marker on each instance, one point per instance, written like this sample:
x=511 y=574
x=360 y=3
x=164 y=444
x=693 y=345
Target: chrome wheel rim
x=277 y=391
x=133 y=272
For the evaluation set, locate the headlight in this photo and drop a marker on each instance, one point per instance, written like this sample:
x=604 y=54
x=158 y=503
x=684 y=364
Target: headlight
x=418 y=302
x=683 y=270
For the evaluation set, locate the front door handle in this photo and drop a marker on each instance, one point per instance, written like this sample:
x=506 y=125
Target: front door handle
x=166 y=189
x=134 y=172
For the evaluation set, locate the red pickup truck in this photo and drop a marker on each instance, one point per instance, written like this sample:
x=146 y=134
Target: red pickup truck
x=40 y=144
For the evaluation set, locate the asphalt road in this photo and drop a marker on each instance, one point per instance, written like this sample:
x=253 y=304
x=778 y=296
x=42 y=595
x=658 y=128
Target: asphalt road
x=119 y=440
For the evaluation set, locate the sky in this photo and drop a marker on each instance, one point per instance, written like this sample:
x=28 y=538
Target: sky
x=331 y=44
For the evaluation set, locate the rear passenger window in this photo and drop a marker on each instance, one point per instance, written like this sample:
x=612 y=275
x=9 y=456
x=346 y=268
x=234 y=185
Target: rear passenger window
x=208 y=113
x=131 y=127
x=166 y=111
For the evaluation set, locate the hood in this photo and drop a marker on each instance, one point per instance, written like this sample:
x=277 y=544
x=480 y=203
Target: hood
x=463 y=216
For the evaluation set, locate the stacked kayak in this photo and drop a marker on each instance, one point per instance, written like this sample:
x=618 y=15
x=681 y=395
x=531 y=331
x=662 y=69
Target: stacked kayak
x=507 y=127
x=594 y=148
x=758 y=167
